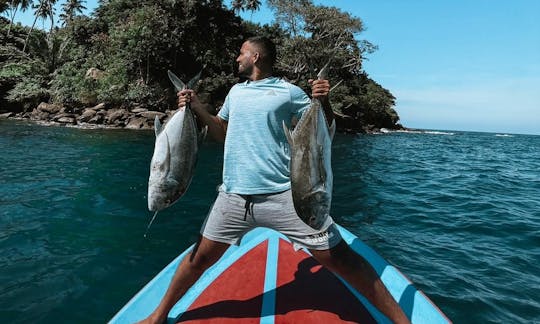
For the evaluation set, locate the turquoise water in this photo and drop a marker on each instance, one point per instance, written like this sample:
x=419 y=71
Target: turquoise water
x=458 y=214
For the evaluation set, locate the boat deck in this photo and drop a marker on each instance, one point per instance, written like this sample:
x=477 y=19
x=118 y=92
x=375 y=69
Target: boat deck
x=264 y=280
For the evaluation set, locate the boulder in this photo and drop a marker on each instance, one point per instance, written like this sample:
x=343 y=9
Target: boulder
x=116 y=116
x=152 y=114
x=97 y=119
x=138 y=123
x=67 y=120
x=87 y=114
x=39 y=115
x=98 y=106
x=7 y=115
x=138 y=110
x=49 y=108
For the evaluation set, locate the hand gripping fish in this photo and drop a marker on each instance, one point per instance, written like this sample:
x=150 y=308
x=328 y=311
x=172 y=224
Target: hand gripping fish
x=311 y=169
x=175 y=154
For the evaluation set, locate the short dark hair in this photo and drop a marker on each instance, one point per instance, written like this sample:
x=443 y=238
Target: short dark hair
x=266 y=46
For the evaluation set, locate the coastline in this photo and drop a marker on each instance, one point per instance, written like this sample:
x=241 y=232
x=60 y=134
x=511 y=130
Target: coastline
x=101 y=116
x=96 y=117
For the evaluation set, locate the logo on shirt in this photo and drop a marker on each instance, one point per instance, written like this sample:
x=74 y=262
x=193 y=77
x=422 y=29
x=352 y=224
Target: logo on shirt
x=270 y=93
x=319 y=238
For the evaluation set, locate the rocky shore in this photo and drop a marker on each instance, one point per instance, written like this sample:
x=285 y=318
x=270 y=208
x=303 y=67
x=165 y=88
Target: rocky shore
x=98 y=116
x=101 y=116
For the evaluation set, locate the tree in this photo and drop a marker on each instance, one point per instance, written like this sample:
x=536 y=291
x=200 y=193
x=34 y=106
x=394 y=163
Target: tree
x=241 y=5
x=13 y=6
x=320 y=35
x=70 y=9
x=44 y=10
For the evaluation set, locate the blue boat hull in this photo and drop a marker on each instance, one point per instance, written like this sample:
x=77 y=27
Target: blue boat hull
x=263 y=280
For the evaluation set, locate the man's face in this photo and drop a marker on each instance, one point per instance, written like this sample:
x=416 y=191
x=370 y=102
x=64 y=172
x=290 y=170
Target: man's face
x=246 y=59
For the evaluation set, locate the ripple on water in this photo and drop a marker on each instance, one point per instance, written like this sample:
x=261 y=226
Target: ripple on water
x=459 y=215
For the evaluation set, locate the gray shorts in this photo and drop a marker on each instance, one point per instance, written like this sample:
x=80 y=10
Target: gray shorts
x=233 y=215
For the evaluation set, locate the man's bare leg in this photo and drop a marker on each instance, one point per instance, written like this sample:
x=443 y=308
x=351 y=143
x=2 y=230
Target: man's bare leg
x=205 y=254
x=352 y=267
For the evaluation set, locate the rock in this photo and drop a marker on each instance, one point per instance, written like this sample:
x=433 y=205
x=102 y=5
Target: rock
x=152 y=114
x=138 y=110
x=7 y=115
x=116 y=116
x=138 y=123
x=39 y=115
x=67 y=120
x=49 y=108
x=98 y=106
x=87 y=114
x=97 y=119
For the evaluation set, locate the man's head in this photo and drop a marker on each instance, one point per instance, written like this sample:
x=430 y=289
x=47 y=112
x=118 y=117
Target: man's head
x=256 y=51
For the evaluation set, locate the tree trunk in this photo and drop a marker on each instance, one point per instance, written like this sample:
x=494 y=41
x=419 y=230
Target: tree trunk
x=11 y=21
x=31 y=28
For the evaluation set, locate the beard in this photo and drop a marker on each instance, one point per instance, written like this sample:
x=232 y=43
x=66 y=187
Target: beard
x=245 y=70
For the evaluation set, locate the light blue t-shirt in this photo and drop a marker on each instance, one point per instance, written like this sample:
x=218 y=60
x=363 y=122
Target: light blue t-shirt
x=257 y=153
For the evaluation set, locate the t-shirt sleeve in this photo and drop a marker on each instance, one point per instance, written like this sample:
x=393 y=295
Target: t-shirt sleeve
x=224 y=111
x=300 y=101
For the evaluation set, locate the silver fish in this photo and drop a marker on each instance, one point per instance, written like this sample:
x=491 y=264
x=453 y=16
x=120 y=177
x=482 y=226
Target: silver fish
x=311 y=169
x=175 y=154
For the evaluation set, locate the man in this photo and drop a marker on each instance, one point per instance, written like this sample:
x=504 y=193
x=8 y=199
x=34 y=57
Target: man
x=256 y=185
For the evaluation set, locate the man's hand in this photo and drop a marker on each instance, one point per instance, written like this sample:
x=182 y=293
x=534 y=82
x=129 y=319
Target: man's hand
x=319 y=89
x=188 y=96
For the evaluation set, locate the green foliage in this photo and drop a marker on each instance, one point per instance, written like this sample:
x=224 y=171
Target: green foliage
x=132 y=44
x=29 y=92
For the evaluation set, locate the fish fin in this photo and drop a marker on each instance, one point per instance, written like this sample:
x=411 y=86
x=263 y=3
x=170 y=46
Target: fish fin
x=178 y=84
x=322 y=170
x=323 y=73
x=168 y=156
x=157 y=126
x=335 y=86
x=150 y=224
x=288 y=134
x=193 y=82
x=332 y=129
x=202 y=134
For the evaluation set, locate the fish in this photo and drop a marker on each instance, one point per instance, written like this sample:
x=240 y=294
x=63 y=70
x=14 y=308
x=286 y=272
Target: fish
x=310 y=165
x=175 y=154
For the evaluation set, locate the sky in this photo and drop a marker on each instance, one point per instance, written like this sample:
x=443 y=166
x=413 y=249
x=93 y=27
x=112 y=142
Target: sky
x=464 y=65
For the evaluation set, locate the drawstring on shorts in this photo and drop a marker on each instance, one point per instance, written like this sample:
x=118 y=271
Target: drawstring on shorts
x=248 y=206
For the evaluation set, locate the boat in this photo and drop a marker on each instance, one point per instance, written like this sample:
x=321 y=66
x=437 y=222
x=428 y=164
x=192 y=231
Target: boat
x=265 y=280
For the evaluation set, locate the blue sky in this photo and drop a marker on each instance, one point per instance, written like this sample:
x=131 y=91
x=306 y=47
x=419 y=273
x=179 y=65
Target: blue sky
x=452 y=65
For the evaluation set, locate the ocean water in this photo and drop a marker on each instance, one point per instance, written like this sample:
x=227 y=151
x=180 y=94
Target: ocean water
x=457 y=212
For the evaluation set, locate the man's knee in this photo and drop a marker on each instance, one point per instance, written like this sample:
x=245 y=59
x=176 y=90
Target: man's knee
x=205 y=254
x=341 y=259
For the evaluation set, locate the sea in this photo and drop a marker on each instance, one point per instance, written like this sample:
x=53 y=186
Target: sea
x=457 y=212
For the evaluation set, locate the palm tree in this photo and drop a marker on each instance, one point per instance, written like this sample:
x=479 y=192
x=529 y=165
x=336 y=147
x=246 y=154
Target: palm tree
x=44 y=10
x=13 y=6
x=70 y=9
x=253 y=5
x=238 y=5
x=241 y=5
x=3 y=6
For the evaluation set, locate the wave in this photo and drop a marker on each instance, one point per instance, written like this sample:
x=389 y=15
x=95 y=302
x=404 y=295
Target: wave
x=413 y=131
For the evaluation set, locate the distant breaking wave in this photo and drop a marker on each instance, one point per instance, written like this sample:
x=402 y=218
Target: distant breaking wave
x=410 y=131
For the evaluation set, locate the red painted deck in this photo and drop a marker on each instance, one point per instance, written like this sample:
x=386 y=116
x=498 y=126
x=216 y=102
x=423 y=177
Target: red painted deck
x=308 y=293
x=236 y=295
x=305 y=292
